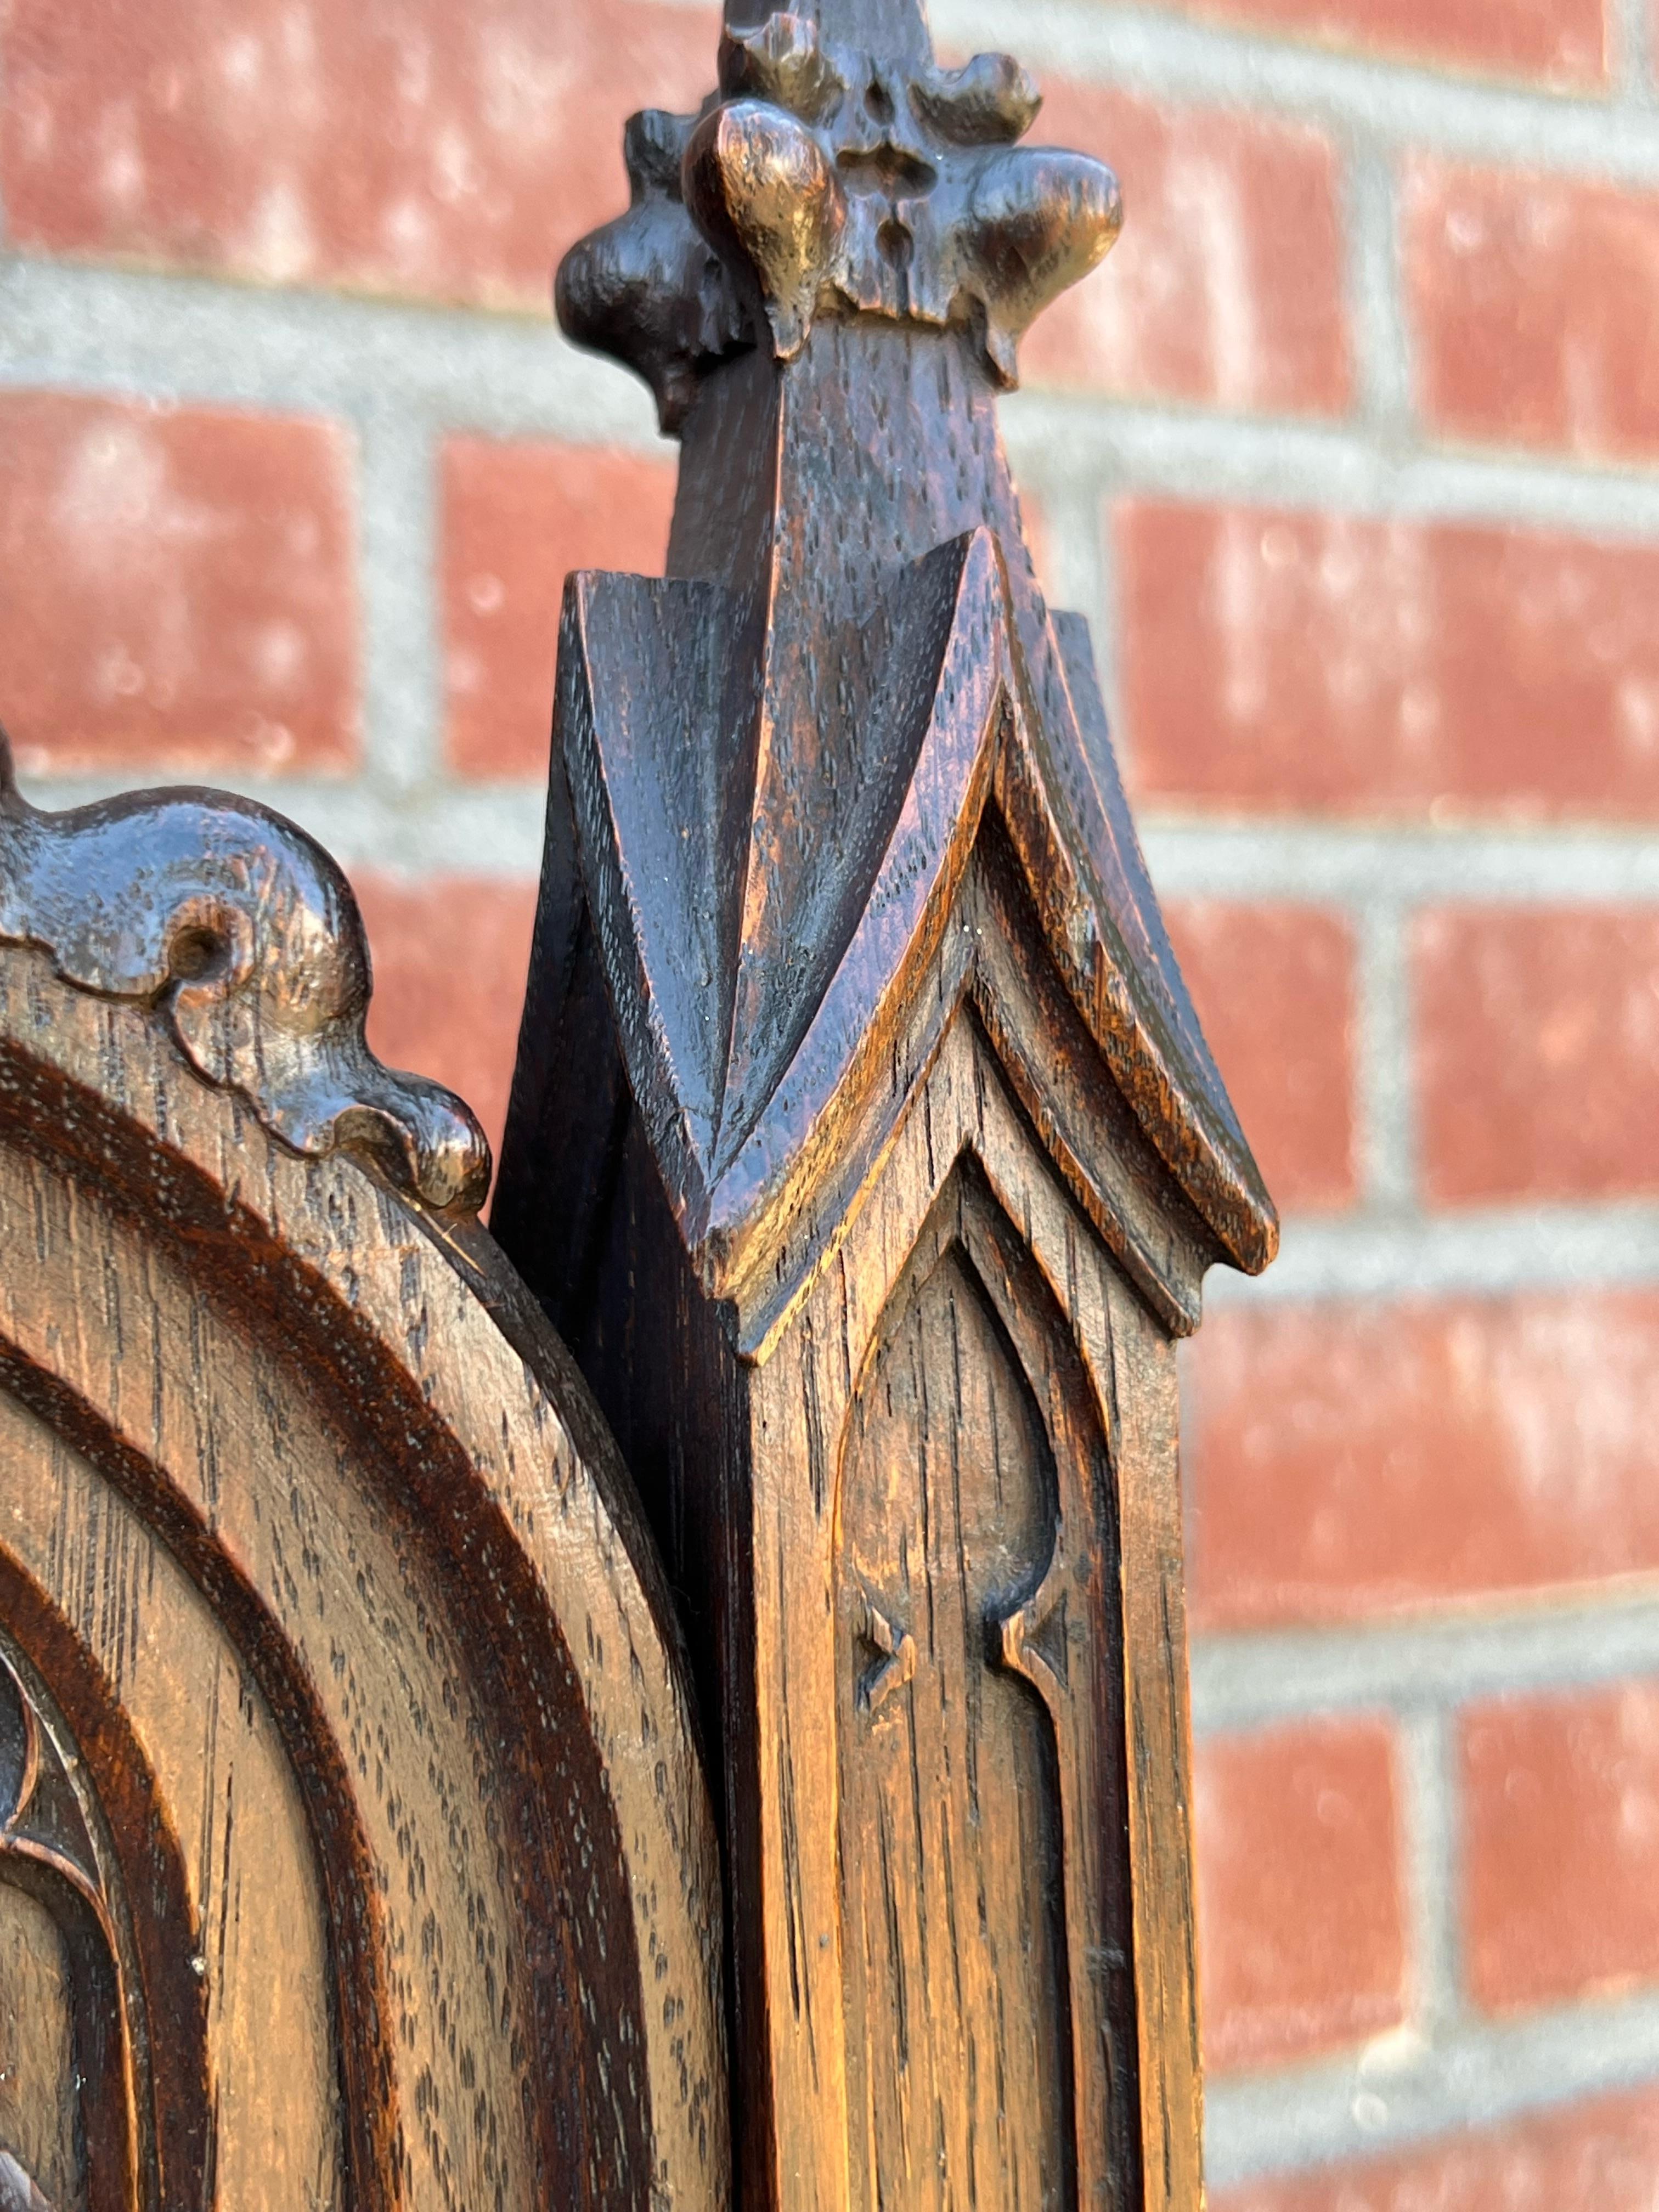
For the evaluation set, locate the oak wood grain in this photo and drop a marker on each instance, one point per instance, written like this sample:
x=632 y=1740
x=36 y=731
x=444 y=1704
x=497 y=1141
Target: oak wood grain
x=865 y=1146
x=316 y=1544
x=37 y=2049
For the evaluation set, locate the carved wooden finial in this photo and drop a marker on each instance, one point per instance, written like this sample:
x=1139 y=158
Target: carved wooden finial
x=837 y=164
x=866 y=1145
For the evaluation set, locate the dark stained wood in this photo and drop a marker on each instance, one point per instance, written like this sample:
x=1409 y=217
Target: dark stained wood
x=865 y=1147
x=356 y=1848
x=355 y=1845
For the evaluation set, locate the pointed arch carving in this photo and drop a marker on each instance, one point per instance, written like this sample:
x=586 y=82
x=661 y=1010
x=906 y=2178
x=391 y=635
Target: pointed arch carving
x=982 y=1789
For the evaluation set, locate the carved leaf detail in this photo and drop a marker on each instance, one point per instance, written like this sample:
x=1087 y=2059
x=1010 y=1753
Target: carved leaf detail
x=840 y=164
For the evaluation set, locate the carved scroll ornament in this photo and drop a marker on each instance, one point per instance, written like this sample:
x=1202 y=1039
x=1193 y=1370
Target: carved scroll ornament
x=245 y=933
x=312 y=1536
x=81 y=1978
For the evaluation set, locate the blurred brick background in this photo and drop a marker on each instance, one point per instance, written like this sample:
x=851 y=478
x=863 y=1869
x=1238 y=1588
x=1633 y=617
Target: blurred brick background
x=1351 y=454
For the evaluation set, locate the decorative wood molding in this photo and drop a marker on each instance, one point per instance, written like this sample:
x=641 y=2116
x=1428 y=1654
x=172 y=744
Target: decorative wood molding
x=244 y=934
x=59 y=1849
x=356 y=1843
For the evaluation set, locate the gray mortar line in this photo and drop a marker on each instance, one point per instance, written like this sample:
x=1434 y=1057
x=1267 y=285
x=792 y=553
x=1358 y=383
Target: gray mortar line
x=402 y=622
x=1477 y=1253
x=1385 y=1134
x=1463 y=117
x=1632 y=24
x=1189 y=453
x=1378 y=320
x=1084 y=564
x=80 y=326
x=1508 y=1644
x=1429 y=1802
x=1348 y=863
x=1403 y=2092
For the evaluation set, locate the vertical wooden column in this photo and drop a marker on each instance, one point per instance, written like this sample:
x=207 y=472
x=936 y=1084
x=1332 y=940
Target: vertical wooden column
x=866 y=1148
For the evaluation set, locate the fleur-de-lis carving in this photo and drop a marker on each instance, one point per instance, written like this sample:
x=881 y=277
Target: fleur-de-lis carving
x=825 y=177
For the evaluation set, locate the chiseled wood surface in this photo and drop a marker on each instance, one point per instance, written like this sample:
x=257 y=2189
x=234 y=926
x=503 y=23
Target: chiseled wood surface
x=970 y=2026
x=866 y=1152
x=937 y=1524
x=362 y=1766
x=253 y=1903
x=949 y=1813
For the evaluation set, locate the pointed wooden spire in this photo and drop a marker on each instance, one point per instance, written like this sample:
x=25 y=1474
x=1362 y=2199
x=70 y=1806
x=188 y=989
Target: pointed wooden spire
x=866 y=1145
x=863 y=219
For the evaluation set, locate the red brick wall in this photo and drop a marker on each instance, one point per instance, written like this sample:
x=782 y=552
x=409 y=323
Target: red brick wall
x=1352 y=455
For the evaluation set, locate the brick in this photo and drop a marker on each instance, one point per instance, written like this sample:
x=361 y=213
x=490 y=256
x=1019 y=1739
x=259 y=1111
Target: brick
x=1274 y=988
x=1598 y=2156
x=1328 y=662
x=1349 y=1459
x=180 y=589
x=450 y=954
x=1275 y=992
x=1537 y=1052
x=1227 y=285
x=429 y=150
x=1532 y=300
x=1560 y=1846
x=517 y=518
x=1560 y=43
x=1300 y=1920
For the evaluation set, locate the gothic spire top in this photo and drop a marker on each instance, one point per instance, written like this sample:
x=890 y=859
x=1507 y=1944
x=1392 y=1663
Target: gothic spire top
x=838 y=169
x=799 y=764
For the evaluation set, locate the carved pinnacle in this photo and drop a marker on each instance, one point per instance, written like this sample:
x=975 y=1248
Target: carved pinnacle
x=782 y=756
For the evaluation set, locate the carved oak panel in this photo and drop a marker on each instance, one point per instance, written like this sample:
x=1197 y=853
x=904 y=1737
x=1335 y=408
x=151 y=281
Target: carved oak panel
x=951 y=1845
x=40 y=2124
x=344 y=1742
